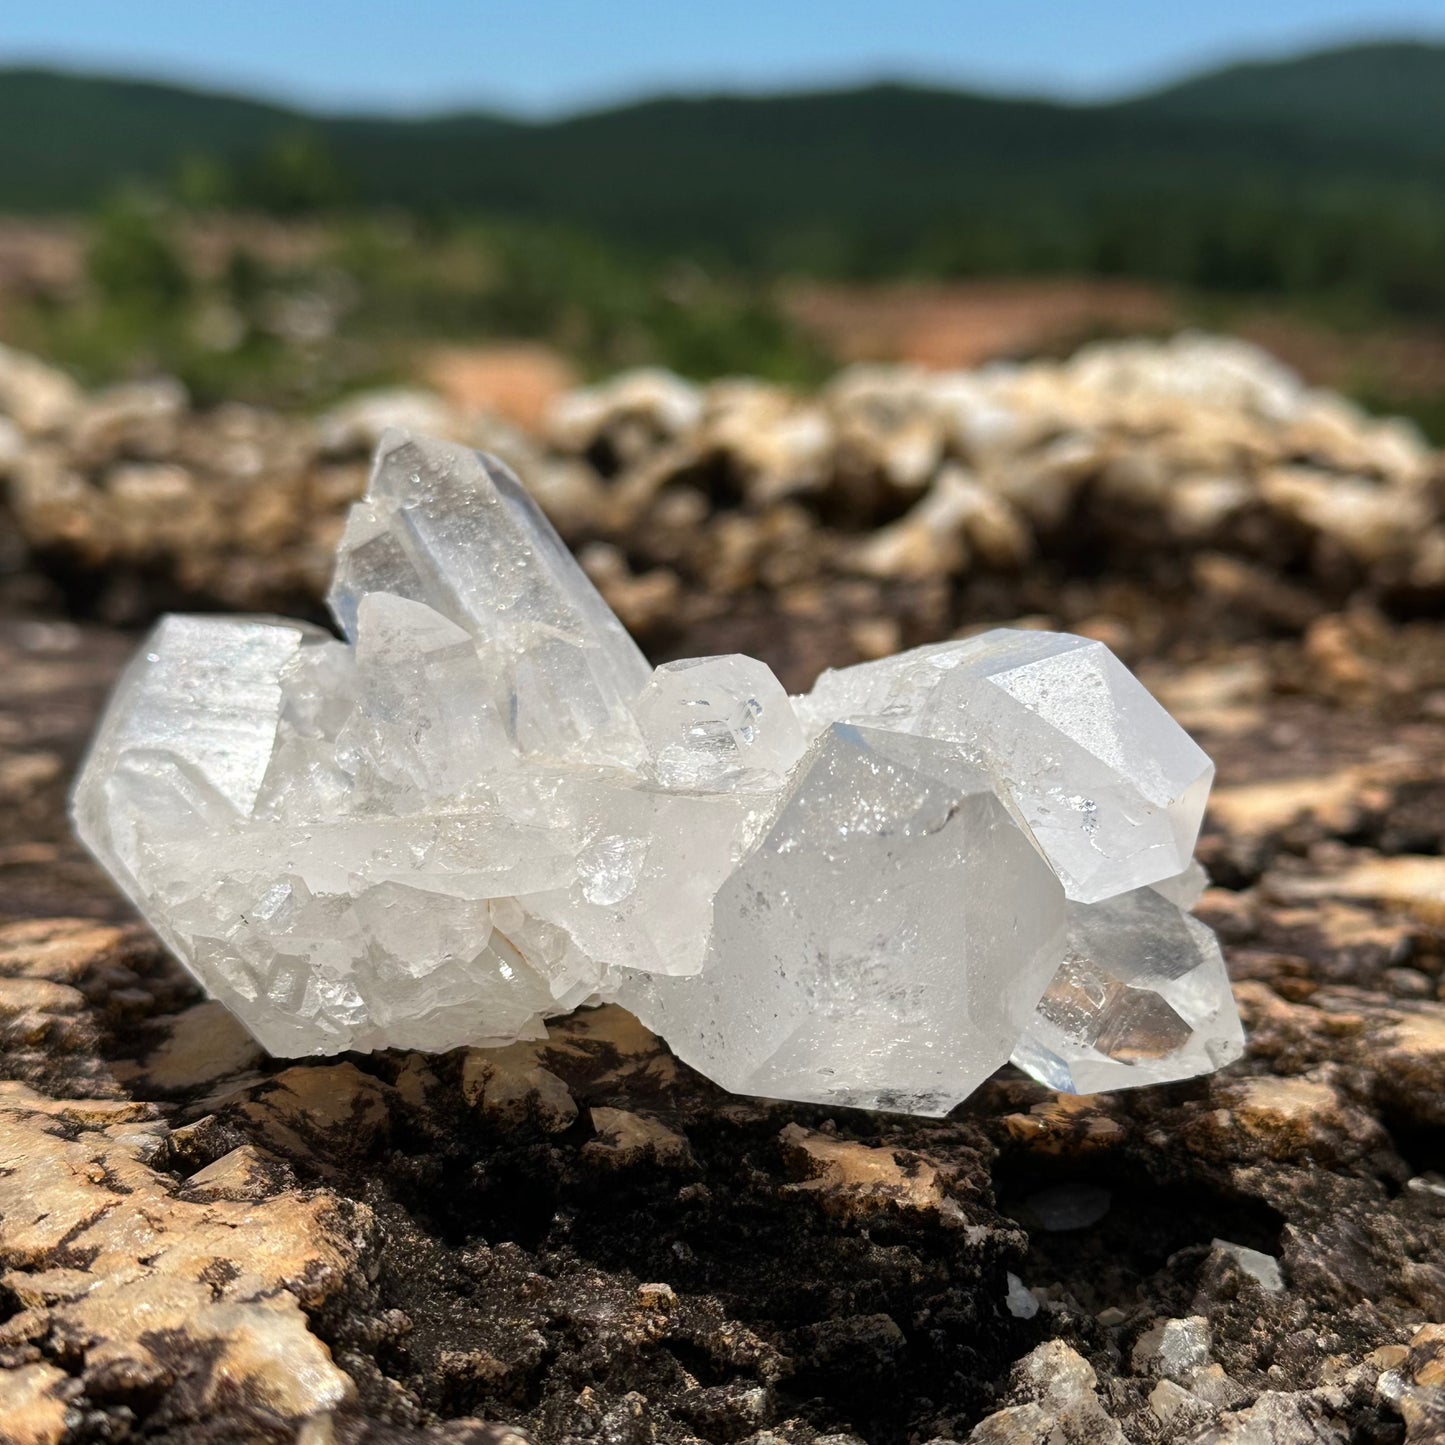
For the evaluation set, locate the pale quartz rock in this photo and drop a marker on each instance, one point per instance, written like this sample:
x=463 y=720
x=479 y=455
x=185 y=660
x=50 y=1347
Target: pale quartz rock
x=449 y=527
x=190 y=735
x=1141 y=996
x=482 y=809
x=1111 y=788
x=718 y=721
x=648 y=866
x=1185 y=889
x=882 y=945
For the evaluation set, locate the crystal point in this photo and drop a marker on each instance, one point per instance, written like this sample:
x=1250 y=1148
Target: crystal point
x=482 y=809
x=1111 y=788
x=1140 y=996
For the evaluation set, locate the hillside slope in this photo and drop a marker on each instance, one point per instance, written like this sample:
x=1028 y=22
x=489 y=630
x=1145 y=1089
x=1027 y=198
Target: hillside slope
x=833 y=177
x=1389 y=95
x=65 y=140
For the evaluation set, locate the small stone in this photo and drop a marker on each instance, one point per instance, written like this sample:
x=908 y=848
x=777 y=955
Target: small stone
x=1210 y=1384
x=1055 y=1390
x=1277 y=1418
x=659 y=1297
x=38 y=398
x=1173 y=1348
x=1174 y=1406
x=1020 y=1301
x=1262 y=1268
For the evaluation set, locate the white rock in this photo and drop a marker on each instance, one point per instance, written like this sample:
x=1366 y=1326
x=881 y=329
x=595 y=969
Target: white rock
x=1141 y=997
x=1278 y=1417
x=1019 y=1300
x=36 y=397
x=483 y=809
x=1262 y=1268
x=359 y=423
x=1173 y=1348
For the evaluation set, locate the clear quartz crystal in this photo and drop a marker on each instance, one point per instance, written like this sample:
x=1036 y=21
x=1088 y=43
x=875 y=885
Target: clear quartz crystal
x=1140 y=996
x=882 y=945
x=1109 y=785
x=454 y=529
x=482 y=809
x=714 y=722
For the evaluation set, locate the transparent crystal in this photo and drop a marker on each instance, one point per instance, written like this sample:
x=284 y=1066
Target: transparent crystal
x=482 y=809
x=882 y=945
x=1109 y=785
x=456 y=530
x=717 y=721
x=1140 y=997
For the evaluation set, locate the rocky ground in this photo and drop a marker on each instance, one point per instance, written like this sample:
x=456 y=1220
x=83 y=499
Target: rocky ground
x=580 y=1240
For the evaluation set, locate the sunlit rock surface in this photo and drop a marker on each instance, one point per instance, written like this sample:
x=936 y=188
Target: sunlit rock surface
x=483 y=809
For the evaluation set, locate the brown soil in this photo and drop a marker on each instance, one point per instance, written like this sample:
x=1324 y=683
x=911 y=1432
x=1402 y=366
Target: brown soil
x=519 y=381
x=583 y=1241
x=964 y=324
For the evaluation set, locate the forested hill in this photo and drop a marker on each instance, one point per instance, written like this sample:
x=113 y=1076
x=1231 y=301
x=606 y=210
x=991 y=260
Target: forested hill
x=1389 y=96
x=861 y=179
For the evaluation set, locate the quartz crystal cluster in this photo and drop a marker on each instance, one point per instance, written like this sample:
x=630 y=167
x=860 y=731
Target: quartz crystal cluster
x=483 y=807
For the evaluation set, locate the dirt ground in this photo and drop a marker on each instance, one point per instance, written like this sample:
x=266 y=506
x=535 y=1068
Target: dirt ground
x=968 y=323
x=582 y=1240
x=579 y=1240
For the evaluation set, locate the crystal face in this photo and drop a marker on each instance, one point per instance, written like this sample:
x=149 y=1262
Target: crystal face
x=466 y=540
x=882 y=944
x=1141 y=996
x=1111 y=789
x=483 y=809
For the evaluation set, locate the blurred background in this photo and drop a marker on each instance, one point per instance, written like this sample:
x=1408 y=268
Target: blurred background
x=280 y=203
x=818 y=333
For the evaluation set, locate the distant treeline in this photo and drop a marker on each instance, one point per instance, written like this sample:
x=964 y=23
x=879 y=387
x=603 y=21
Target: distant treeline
x=1321 y=177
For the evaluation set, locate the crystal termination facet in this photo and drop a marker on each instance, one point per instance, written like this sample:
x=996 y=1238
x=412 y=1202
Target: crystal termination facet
x=483 y=809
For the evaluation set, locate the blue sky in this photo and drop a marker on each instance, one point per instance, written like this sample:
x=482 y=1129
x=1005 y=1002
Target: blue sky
x=547 y=56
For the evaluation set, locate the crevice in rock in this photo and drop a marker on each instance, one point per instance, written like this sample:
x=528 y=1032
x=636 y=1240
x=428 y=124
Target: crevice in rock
x=1113 y=1236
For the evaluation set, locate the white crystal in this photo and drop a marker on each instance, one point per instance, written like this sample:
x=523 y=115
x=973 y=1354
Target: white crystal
x=1020 y=1300
x=1141 y=996
x=456 y=530
x=713 y=722
x=882 y=945
x=482 y=810
x=1262 y=1268
x=1110 y=786
x=649 y=863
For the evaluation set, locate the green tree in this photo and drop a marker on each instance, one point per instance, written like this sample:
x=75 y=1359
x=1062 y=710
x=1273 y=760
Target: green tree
x=205 y=182
x=295 y=175
x=132 y=262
